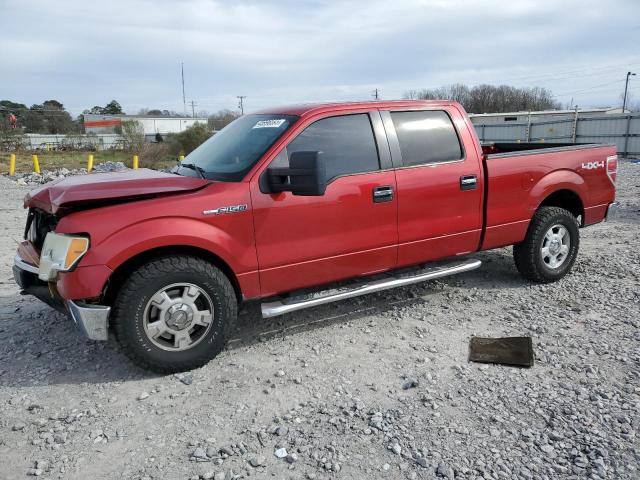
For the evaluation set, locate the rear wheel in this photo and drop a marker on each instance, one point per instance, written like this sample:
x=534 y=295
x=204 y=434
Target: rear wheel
x=551 y=246
x=172 y=314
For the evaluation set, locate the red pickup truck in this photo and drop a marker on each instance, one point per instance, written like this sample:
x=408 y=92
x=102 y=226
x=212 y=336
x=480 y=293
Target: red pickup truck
x=285 y=204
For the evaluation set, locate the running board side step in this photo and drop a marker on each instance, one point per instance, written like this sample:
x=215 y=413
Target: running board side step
x=400 y=279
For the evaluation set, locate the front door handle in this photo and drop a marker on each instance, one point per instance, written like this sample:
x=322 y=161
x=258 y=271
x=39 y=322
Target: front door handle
x=383 y=194
x=468 y=182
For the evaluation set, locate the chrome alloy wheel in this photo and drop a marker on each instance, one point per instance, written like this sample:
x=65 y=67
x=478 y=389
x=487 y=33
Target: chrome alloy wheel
x=178 y=316
x=555 y=246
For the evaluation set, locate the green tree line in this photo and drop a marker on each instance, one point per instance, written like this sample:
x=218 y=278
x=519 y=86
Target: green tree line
x=48 y=117
x=490 y=98
x=51 y=117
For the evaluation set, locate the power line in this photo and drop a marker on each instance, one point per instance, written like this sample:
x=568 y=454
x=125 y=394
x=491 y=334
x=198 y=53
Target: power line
x=570 y=73
x=594 y=87
x=241 y=103
x=193 y=108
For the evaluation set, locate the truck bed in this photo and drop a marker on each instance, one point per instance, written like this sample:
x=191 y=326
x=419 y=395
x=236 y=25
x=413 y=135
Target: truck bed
x=527 y=148
x=520 y=176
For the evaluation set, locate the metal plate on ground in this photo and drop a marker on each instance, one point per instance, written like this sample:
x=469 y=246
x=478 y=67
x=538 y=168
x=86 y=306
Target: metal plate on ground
x=517 y=351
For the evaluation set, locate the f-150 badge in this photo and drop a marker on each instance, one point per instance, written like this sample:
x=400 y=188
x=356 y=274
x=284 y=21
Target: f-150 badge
x=229 y=209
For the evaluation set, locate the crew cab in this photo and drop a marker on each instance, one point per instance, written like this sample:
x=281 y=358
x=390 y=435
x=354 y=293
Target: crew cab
x=296 y=207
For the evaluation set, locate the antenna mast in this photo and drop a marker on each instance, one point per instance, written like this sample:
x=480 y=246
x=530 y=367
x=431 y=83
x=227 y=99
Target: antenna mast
x=184 y=101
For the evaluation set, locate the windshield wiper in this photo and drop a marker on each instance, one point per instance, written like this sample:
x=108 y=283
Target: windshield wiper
x=195 y=167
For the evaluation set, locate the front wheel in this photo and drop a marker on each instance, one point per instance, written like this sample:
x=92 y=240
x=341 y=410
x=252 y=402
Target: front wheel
x=551 y=246
x=172 y=313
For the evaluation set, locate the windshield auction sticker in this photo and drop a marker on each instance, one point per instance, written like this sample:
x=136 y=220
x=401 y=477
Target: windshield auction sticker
x=270 y=123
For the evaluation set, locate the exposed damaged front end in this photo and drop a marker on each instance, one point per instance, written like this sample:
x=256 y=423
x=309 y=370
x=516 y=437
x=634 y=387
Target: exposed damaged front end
x=92 y=320
x=27 y=260
x=37 y=277
x=46 y=264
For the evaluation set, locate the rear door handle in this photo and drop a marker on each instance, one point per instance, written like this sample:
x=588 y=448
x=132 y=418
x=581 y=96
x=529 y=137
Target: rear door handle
x=468 y=182
x=382 y=194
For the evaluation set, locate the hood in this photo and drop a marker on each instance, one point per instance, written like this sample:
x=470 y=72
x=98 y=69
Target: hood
x=97 y=189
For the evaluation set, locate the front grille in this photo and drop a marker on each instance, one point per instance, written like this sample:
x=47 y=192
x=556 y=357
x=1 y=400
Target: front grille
x=39 y=223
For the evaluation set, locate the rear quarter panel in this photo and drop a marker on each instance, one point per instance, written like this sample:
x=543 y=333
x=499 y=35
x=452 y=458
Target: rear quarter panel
x=519 y=183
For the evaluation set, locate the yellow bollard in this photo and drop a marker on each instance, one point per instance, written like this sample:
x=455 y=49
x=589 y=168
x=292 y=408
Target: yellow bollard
x=181 y=157
x=135 y=162
x=36 y=163
x=89 y=163
x=12 y=164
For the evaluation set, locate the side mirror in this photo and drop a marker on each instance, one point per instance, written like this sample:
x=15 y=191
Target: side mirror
x=305 y=175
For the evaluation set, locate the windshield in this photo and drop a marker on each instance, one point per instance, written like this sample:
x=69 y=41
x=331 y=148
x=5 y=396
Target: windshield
x=230 y=153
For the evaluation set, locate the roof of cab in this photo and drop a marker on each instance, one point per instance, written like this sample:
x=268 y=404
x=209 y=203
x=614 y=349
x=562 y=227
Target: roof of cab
x=313 y=108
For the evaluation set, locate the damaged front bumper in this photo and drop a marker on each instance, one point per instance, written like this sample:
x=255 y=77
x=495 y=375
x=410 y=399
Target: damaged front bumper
x=91 y=319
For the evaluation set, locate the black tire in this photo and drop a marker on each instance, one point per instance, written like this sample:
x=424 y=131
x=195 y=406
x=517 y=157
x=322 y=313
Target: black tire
x=134 y=296
x=527 y=254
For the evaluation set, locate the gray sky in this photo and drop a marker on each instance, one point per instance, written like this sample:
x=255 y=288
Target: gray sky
x=85 y=53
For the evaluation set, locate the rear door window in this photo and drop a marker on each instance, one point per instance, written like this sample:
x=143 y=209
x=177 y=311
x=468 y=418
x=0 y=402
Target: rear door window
x=346 y=142
x=426 y=137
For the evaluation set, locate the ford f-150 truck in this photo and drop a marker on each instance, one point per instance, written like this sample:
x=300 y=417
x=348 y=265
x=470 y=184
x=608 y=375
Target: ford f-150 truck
x=297 y=207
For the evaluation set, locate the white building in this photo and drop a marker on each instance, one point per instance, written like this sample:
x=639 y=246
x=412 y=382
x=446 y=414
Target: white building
x=151 y=125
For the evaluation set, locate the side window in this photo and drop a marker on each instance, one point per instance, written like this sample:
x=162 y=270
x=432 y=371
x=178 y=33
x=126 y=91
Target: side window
x=347 y=144
x=426 y=137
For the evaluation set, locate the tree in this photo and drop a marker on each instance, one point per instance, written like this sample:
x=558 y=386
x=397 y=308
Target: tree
x=48 y=117
x=112 y=108
x=222 y=118
x=34 y=119
x=95 y=110
x=11 y=138
x=132 y=135
x=52 y=105
x=490 y=98
x=9 y=105
x=188 y=140
x=56 y=118
x=156 y=112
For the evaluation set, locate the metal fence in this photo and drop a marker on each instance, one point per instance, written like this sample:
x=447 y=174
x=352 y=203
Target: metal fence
x=622 y=130
x=38 y=141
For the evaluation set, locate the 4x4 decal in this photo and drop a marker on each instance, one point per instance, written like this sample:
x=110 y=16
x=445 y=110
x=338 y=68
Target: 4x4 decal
x=592 y=165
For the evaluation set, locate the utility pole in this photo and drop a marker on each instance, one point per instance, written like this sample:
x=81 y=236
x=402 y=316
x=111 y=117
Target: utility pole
x=241 y=103
x=184 y=101
x=375 y=94
x=626 y=87
x=193 y=108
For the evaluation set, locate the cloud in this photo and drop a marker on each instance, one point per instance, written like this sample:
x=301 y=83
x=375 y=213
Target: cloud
x=275 y=52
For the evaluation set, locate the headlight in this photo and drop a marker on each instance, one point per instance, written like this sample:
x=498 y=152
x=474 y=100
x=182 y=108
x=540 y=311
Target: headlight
x=60 y=253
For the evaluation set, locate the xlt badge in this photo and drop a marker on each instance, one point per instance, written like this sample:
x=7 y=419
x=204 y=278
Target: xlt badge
x=229 y=209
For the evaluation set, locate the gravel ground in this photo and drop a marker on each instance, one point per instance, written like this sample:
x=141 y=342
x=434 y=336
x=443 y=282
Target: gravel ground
x=34 y=179
x=377 y=387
